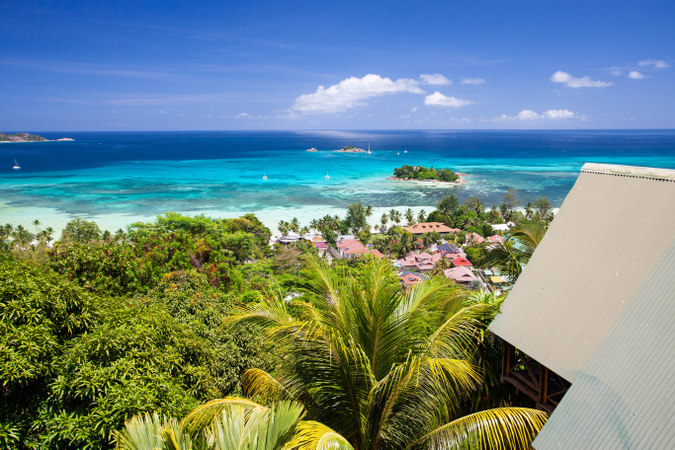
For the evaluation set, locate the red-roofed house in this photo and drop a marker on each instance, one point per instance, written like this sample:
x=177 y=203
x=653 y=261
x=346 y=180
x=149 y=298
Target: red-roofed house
x=424 y=262
x=461 y=274
x=474 y=237
x=375 y=252
x=430 y=227
x=461 y=262
x=349 y=248
x=410 y=279
x=495 y=239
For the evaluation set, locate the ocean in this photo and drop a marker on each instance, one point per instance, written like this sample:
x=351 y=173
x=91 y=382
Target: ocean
x=117 y=178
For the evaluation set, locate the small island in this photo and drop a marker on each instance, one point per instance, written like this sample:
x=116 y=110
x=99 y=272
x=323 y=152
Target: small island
x=419 y=173
x=27 y=137
x=351 y=149
x=20 y=137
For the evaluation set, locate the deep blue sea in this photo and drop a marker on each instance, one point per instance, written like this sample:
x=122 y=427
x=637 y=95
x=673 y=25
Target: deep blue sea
x=120 y=177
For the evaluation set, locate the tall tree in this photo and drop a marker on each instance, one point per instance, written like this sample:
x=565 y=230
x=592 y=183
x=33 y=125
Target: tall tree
x=383 y=368
x=448 y=205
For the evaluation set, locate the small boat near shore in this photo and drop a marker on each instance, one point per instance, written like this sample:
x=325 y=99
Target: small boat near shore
x=16 y=165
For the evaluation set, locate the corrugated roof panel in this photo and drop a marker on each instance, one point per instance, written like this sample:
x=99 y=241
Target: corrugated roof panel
x=624 y=396
x=611 y=230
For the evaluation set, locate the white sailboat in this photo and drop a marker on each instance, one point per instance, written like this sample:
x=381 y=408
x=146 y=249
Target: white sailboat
x=16 y=165
x=405 y=151
x=264 y=177
x=369 y=152
x=327 y=177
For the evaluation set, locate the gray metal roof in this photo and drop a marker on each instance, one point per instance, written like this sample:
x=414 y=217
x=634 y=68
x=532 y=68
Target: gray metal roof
x=623 y=397
x=611 y=231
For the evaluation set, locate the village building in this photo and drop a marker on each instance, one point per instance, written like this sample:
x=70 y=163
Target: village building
x=461 y=274
x=457 y=262
x=430 y=227
x=474 y=238
x=592 y=320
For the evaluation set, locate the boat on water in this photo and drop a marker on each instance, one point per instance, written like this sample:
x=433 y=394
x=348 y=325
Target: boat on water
x=405 y=151
x=264 y=177
x=327 y=177
x=16 y=165
x=369 y=152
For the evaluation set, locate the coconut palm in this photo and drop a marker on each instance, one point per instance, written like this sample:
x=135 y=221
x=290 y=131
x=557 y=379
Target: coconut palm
x=508 y=256
x=394 y=216
x=421 y=216
x=528 y=236
x=516 y=250
x=383 y=368
x=230 y=423
x=409 y=216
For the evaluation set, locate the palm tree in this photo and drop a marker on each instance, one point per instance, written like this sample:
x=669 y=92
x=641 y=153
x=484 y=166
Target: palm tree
x=421 y=216
x=383 y=220
x=409 y=216
x=395 y=216
x=528 y=236
x=508 y=256
x=229 y=423
x=383 y=368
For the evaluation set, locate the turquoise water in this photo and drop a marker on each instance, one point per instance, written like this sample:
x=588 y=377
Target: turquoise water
x=133 y=176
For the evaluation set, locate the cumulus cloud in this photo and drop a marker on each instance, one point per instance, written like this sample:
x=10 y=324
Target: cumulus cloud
x=551 y=114
x=574 y=82
x=656 y=63
x=634 y=74
x=615 y=71
x=473 y=81
x=352 y=92
x=438 y=99
x=435 y=79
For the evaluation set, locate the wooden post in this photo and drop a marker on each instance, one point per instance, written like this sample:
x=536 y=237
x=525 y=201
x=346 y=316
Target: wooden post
x=543 y=385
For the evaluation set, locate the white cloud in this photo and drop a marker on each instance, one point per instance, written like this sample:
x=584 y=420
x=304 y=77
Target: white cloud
x=438 y=99
x=551 y=114
x=574 y=82
x=473 y=81
x=435 y=79
x=413 y=109
x=352 y=92
x=615 y=71
x=657 y=63
x=634 y=74
x=559 y=114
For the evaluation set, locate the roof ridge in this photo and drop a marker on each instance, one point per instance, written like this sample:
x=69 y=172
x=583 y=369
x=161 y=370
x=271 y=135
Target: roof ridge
x=629 y=171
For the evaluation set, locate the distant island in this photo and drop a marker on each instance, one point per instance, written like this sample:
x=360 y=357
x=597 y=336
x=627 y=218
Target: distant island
x=419 y=173
x=26 y=137
x=351 y=149
x=313 y=149
x=20 y=137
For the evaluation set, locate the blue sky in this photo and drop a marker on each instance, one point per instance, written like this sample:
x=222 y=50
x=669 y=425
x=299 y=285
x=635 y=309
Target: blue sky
x=186 y=65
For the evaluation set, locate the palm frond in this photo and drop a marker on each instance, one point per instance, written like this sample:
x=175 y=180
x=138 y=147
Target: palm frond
x=499 y=428
x=143 y=432
x=203 y=416
x=458 y=335
x=311 y=435
x=259 y=384
x=260 y=429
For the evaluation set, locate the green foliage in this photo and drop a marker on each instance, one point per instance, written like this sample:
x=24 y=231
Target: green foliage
x=80 y=231
x=357 y=218
x=383 y=368
x=422 y=173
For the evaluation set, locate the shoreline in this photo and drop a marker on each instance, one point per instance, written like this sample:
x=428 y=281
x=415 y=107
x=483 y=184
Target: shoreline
x=460 y=181
x=42 y=140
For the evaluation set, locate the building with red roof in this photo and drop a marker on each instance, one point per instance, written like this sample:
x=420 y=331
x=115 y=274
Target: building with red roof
x=457 y=262
x=461 y=274
x=430 y=227
x=474 y=237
